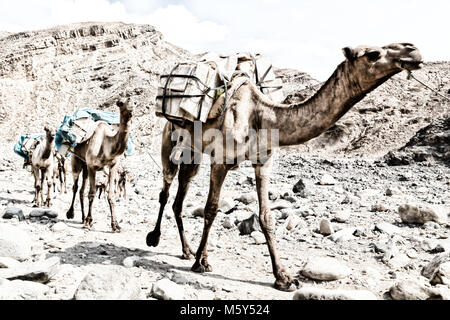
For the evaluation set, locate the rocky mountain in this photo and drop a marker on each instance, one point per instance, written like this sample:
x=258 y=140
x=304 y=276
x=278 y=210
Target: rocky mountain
x=47 y=74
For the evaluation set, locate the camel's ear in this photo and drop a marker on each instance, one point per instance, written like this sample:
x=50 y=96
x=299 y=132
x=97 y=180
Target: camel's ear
x=349 y=53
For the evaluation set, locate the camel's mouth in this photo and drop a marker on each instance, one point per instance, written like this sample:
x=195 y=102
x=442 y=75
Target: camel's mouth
x=410 y=64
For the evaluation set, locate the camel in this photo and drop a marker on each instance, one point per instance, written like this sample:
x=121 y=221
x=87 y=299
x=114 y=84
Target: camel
x=59 y=172
x=364 y=69
x=120 y=182
x=101 y=150
x=42 y=162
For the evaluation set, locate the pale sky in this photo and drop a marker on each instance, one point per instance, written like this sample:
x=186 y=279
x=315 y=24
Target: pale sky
x=304 y=35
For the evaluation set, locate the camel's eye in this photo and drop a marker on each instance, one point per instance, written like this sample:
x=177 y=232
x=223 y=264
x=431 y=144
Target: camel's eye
x=373 y=55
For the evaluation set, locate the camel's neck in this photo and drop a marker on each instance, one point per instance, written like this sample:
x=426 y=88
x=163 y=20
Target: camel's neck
x=120 y=139
x=299 y=123
x=48 y=147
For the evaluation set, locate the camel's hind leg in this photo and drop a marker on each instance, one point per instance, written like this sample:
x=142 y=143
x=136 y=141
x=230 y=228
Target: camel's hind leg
x=185 y=176
x=284 y=281
x=91 y=196
x=83 y=187
x=77 y=167
x=218 y=175
x=169 y=172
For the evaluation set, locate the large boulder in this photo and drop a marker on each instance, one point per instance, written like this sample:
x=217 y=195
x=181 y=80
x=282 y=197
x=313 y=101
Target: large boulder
x=167 y=290
x=14 y=243
x=22 y=290
x=421 y=214
x=325 y=269
x=104 y=282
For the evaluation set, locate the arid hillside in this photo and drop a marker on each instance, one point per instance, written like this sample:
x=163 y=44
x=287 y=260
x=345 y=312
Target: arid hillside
x=47 y=74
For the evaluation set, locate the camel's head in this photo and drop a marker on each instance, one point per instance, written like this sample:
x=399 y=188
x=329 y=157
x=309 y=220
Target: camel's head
x=50 y=133
x=372 y=64
x=126 y=108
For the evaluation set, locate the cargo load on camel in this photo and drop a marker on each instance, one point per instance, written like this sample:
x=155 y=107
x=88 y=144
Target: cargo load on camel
x=189 y=90
x=81 y=126
x=26 y=145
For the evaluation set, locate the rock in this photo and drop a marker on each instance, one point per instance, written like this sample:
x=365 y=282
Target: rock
x=167 y=290
x=342 y=216
x=130 y=262
x=325 y=269
x=258 y=237
x=22 y=290
x=40 y=271
x=59 y=227
x=431 y=246
x=326 y=228
x=199 y=212
x=327 y=180
x=14 y=243
x=441 y=275
x=274 y=195
x=416 y=290
x=420 y=214
x=299 y=187
x=310 y=293
x=248 y=198
x=9 y=213
x=388 y=228
x=379 y=208
x=108 y=282
x=229 y=222
x=38 y=213
x=226 y=205
x=248 y=180
x=343 y=235
x=292 y=222
x=250 y=225
x=281 y=205
x=393 y=191
x=10 y=263
x=429 y=270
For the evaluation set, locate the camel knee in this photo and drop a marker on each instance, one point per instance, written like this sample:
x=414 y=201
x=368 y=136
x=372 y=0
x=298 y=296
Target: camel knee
x=266 y=220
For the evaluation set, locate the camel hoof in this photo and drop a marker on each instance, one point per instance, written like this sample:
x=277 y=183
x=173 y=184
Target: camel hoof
x=198 y=268
x=188 y=255
x=115 y=228
x=153 y=239
x=287 y=286
x=70 y=215
x=88 y=223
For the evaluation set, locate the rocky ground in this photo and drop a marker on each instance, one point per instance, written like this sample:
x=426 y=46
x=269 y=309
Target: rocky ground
x=357 y=201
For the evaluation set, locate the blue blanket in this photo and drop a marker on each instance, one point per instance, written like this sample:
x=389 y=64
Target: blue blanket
x=18 y=147
x=65 y=134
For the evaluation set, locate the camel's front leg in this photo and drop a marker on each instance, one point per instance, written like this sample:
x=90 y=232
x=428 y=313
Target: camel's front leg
x=37 y=186
x=48 y=175
x=111 y=197
x=283 y=281
x=169 y=172
x=91 y=196
x=42 y=186
x=218 y=174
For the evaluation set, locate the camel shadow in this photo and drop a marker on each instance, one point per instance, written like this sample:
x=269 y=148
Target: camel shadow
x=90 y=253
